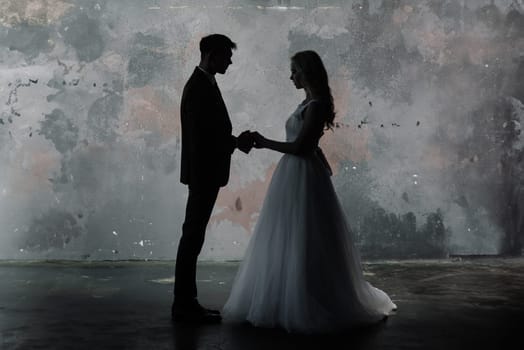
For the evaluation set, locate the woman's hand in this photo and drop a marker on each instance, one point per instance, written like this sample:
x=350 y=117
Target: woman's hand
x=259 y=140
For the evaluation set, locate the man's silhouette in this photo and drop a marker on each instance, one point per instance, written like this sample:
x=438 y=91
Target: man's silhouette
x=207 y=145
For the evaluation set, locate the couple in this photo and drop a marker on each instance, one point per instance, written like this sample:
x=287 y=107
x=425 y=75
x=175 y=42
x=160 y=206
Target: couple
x=301 y=270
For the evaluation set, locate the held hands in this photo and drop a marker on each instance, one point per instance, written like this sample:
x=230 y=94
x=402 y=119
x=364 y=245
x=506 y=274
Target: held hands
x=258 y=140
x=247 y=140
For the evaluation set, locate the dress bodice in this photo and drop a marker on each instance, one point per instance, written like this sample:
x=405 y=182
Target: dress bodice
x=295 y=121
x=293 y=126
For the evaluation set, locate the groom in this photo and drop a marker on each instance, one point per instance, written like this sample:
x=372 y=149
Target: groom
x=207 y=145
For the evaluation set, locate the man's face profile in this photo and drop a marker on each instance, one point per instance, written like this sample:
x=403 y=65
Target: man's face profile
x=222 y=60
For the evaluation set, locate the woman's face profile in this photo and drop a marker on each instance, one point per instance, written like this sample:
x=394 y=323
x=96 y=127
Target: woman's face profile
x=297 y=76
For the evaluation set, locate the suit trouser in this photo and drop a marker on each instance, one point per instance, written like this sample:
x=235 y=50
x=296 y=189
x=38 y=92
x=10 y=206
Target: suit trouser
x=200 y=203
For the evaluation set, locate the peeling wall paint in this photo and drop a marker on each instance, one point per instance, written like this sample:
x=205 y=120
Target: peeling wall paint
x=429 y=100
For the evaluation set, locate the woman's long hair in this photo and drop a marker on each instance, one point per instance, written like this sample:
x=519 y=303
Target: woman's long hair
x=310 y=63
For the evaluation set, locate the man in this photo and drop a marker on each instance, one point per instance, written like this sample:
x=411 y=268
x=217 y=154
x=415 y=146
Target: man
x=207 y=145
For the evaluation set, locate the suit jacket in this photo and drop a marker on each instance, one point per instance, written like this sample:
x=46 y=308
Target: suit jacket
x=207 y=142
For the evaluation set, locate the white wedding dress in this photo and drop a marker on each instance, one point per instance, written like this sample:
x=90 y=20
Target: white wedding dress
x=301 y=270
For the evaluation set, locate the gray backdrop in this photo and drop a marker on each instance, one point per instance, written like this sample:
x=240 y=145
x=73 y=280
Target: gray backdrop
x=427 y=151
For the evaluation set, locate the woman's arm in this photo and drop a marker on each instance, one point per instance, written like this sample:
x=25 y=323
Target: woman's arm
x=307 y=138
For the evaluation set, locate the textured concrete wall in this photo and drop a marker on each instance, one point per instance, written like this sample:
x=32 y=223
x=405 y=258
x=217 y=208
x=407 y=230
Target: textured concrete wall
x=429 y=104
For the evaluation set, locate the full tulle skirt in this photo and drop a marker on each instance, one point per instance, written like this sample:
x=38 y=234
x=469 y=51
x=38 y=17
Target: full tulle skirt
x=301 y=270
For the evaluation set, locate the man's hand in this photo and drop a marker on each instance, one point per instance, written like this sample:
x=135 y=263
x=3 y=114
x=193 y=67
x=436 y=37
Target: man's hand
x=245 y=141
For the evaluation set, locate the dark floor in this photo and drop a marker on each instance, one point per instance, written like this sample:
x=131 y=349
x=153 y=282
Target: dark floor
x=448 y=304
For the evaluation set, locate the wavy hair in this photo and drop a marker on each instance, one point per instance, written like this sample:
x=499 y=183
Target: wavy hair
x=310 y=64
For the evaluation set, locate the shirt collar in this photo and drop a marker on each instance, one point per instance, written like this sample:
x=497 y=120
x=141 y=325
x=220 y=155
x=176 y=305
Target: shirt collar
x=211 y=77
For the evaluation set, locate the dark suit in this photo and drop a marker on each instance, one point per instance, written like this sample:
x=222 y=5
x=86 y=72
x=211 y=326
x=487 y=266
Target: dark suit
x=207 y=145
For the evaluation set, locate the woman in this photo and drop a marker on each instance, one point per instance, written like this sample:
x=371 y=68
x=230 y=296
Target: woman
x=301 y=270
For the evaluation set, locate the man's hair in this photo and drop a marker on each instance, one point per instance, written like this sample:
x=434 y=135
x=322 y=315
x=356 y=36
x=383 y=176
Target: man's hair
x=215 y=42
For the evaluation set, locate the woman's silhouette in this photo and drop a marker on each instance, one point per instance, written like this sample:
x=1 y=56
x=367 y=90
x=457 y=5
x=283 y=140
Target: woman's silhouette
x=301 y=270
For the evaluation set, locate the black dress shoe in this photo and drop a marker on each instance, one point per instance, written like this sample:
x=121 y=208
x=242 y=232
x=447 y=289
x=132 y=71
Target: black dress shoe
x=211 y=311
x=195 y=316
x=192 y=311
x=191 y=306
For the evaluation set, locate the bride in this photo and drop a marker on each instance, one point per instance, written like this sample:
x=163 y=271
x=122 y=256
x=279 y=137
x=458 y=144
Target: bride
x=301 y=270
